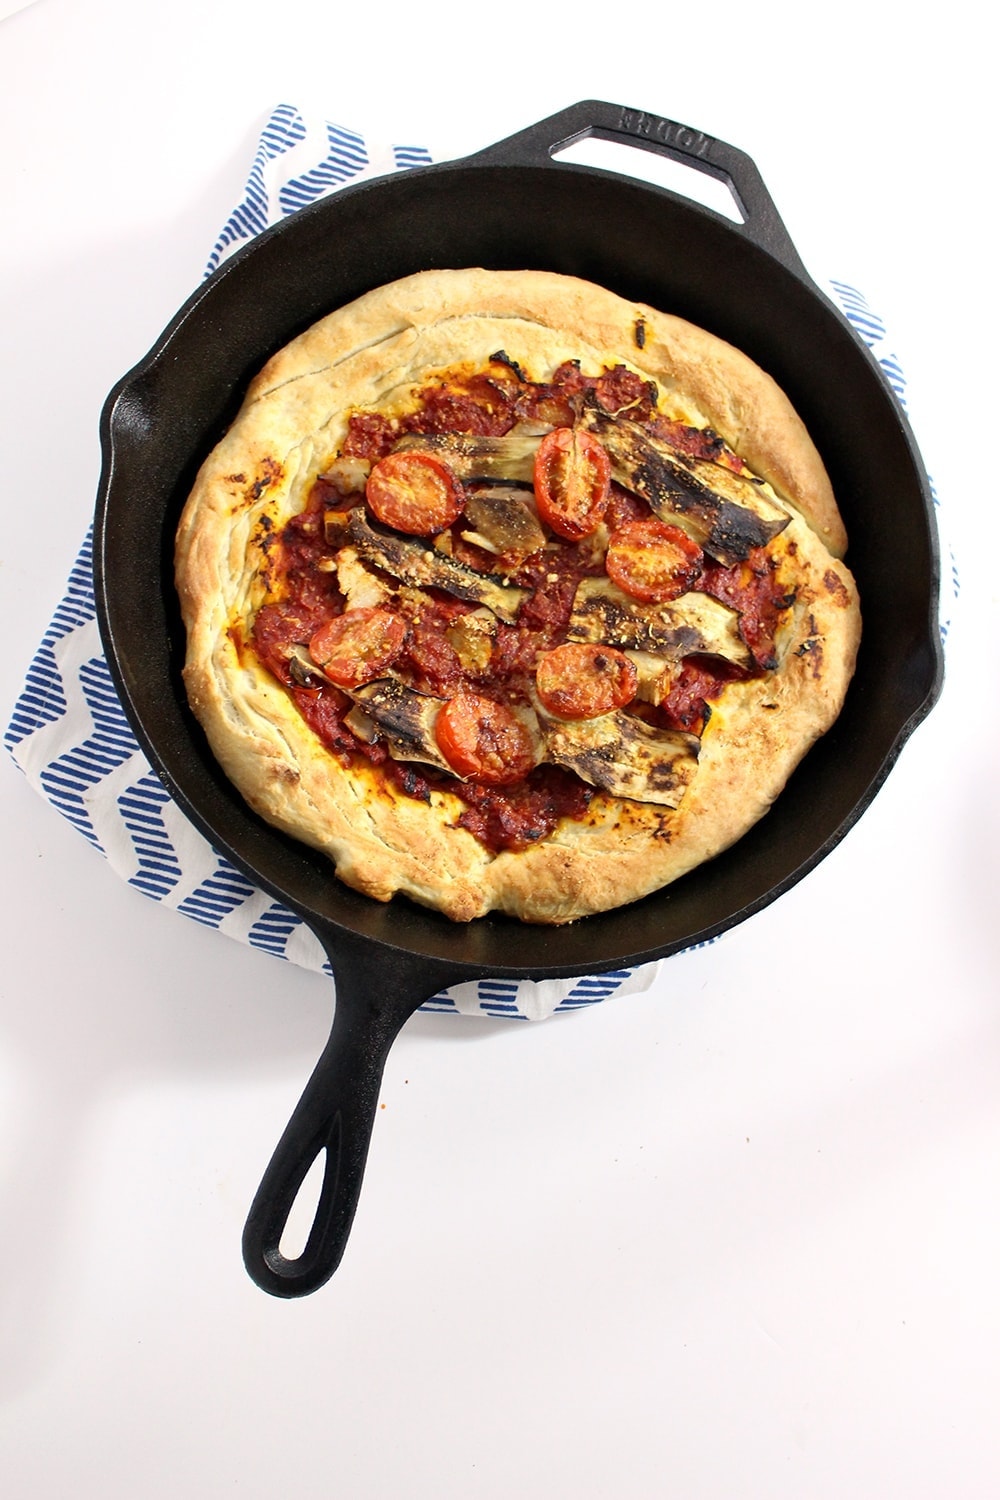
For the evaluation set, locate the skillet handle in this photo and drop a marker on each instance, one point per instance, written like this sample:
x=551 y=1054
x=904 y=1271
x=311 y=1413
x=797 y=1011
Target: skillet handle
x=762 y=223
x=335 y=1115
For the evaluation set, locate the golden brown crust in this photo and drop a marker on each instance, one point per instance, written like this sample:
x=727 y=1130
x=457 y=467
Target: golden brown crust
x=373 y=354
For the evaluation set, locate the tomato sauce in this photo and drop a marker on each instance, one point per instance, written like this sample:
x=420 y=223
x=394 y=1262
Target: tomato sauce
x=697 y=442
x=323 y=710
x=489 y=403
x=434 y=664
x=754 y=589
x=516 y=817
x=480 y=406
x=688 y=705
x=307 y=596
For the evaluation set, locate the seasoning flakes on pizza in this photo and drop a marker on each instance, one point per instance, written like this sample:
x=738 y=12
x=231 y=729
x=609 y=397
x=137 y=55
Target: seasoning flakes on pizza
x=511 y=595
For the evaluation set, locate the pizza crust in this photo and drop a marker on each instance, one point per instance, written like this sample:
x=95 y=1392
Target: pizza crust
x=373 y=354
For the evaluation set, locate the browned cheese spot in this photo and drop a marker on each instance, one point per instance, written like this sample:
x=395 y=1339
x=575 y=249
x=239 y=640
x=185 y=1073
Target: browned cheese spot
x=812 y=648
x=836 y=588
x=270 y=472
x=663 y=830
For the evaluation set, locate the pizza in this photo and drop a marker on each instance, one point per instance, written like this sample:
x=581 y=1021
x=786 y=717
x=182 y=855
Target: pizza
x=510 y=594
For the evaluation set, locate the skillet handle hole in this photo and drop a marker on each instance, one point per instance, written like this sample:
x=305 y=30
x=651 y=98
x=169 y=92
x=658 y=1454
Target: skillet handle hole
x=649 y=166
x=302 y=1214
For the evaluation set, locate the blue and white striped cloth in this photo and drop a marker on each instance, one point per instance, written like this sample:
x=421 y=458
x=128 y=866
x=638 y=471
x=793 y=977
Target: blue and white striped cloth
x=68 y=732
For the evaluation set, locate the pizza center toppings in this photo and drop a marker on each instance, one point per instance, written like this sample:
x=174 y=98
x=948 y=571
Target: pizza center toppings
x=524 y=593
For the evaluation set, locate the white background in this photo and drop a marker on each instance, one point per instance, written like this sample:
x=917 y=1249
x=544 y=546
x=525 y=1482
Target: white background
x=737 y=1236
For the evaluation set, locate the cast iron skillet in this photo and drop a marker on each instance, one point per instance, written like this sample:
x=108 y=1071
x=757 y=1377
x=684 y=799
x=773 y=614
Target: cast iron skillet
x=511 y=206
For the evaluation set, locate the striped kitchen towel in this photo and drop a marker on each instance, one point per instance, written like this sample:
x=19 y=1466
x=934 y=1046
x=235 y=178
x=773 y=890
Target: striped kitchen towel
x=68 y=732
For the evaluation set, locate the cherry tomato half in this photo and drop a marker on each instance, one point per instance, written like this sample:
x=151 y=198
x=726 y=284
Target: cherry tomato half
x=484 y=740
x=357 y=646
x=415 y=493
x=652 y=560
x=579 y=681
x=572 y=481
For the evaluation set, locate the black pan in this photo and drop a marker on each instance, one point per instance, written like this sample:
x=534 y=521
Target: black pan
x=510 y=206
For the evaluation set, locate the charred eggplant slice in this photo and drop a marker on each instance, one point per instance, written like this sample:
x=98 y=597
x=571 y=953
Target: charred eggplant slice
x=414 y=563
x=726 y=513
